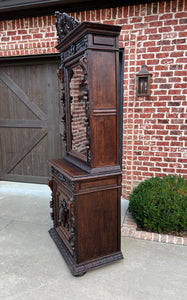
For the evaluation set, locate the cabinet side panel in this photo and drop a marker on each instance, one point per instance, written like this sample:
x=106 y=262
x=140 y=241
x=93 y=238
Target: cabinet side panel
x=105 y=141
x=102 y=79
x=98 y=223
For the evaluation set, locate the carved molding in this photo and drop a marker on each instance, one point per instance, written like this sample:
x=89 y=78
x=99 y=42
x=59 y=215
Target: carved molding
x=60 y=74
x=80 y=45
x=50 y=184
x=84 y=64
x=85 y=92
x=63 y=217
x=64 y=24
x=80 y=269
x=66 y=218
x=63 y=178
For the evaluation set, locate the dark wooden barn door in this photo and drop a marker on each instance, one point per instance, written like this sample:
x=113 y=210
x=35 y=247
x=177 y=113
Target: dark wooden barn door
x=29 y=119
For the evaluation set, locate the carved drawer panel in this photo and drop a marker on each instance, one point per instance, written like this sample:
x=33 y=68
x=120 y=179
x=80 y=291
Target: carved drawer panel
x=64 y=181
x=104 y=40
x=98 y=184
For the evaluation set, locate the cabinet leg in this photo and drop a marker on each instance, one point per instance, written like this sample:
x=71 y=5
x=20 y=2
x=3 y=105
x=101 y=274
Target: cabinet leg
x=80 y=275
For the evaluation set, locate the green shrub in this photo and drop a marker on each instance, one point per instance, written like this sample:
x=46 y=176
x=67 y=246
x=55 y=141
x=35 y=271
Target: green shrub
x=160 y=204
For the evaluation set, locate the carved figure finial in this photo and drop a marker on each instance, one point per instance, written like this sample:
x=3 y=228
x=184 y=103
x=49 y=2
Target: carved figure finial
x=64 y=24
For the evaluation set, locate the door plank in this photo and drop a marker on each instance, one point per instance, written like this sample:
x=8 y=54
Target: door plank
x=25 y=178
x=23 y=123
x=32 y=142
x=22 y=120
x=53 y=119
x=22 y=96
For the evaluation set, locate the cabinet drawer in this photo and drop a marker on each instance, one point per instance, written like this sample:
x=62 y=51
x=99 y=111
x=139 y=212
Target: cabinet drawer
x=62 y=180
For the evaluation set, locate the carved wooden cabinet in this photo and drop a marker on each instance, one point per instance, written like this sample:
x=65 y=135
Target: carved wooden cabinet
x=86 y=183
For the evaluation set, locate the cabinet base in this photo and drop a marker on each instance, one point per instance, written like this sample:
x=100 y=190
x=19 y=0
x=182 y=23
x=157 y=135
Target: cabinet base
x=82 y=268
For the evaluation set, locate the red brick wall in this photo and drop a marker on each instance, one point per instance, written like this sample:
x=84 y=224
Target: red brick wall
x=154 y=129
x=28 y=36
x=78 y=112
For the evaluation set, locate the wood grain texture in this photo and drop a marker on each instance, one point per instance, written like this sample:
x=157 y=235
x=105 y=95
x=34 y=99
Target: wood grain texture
x=23 y=123
x=29 y=120
x=25 y=150
x=22 y=96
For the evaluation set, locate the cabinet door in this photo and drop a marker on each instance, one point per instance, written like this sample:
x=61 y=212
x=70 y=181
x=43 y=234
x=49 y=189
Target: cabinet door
x=65 y=218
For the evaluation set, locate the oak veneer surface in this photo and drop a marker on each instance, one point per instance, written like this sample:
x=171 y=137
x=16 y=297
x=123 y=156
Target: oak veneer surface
x=66 y=167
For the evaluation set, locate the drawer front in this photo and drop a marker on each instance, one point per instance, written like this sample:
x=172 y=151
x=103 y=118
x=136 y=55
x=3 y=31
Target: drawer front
x=62 y=180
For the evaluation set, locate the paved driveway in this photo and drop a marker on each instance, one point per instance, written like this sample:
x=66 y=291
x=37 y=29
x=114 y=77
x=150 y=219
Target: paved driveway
x=32 y=268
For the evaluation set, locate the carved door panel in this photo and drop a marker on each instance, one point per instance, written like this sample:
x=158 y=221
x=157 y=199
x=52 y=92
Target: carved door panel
x=65 y=218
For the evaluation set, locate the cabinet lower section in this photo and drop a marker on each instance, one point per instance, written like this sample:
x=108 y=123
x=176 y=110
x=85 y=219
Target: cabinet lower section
x=82 y=268
x=86 y=216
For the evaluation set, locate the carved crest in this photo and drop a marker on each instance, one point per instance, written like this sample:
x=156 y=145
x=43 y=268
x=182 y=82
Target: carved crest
x=64 y=24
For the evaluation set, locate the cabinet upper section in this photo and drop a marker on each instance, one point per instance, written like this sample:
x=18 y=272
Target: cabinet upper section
x=75 y=35
x=89 y=73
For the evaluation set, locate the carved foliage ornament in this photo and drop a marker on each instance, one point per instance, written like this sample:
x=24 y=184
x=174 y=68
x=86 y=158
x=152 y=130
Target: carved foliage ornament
x=85 y=92
x=63 y=178
x=66 y=218
x=64 y=214
x=64 y=24
x=79 y=46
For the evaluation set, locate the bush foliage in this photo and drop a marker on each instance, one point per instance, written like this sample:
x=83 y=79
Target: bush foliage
x=160 y=204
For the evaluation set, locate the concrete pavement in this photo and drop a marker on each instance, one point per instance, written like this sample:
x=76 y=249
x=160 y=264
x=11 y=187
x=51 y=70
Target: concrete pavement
x=31 y=266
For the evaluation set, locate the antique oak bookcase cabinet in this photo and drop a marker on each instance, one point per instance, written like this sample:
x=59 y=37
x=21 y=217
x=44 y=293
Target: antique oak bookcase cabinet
x=86 y=183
